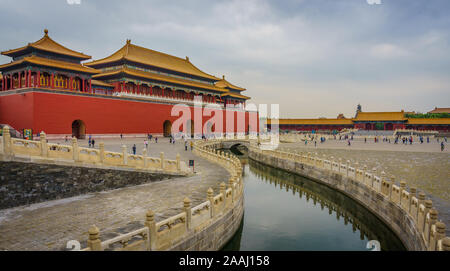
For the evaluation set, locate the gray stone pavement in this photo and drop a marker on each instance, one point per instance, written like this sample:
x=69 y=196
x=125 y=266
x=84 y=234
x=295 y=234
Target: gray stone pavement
x=49 y=225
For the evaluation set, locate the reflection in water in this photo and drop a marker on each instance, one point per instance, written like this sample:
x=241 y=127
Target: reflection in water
x=301 y=214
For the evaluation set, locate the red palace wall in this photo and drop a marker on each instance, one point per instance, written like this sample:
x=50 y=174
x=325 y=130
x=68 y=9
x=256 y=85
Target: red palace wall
x=54 y=113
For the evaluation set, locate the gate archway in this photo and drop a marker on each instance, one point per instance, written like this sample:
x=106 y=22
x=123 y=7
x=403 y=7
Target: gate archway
x=78 y=129
x=167 y=128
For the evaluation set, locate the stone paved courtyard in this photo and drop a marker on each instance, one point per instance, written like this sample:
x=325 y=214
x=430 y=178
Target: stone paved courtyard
x=49 y=225
x=420 y=165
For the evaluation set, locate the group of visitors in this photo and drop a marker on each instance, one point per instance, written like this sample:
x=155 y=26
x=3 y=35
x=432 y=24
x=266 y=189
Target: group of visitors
x=91 y=142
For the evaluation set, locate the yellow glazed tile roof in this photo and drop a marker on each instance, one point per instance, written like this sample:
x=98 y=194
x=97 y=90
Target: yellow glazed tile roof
x=160 y=77
x=440 y=110
x=49 y=45
x=445 y=121
x=52 y=63
x=380 y=116
x=235 y=95
x=314 y=121
x=100 y=83
x=225 y=84
x=150 y=57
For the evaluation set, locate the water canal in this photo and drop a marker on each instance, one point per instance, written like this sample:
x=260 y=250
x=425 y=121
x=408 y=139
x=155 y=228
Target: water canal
x=284 y=211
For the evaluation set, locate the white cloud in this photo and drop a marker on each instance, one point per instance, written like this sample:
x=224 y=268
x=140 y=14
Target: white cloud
x=388 y=51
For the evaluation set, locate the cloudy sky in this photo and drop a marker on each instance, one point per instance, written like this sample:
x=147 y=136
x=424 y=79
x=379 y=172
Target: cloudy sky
x=316 y=58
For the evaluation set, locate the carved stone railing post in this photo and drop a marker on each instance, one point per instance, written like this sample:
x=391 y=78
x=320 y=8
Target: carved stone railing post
x=210 y=198
x=102 y=152
x=75 y=150
x=412 y=193
x=223 y=188
x=428 y=205
x=440 y=234
x=402 y=188
x=230 y=185
x=433 y=213
x=364 y=174
x=151 y=225
x=125 y=155
x=7 y=146
x=421 y=199
x=187 y=210
x=178 y=162
x=44 y=148
x=446 y=244
x=94 y=242
x=347 y=166
x=161 y=157
x=144 y=157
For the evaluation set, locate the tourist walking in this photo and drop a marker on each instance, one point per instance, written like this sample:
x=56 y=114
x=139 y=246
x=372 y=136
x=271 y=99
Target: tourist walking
x=134 y=149
x=442 y=146
x=185 y=145
x=146 y=144
x=156 y=139
x=121 y=136
x=90 y=142
x=93 y=143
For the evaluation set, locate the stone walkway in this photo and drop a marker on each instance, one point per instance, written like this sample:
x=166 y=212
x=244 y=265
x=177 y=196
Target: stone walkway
x=49 y=225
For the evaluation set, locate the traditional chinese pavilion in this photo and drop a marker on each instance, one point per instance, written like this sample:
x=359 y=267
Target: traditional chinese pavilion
x=46 y=87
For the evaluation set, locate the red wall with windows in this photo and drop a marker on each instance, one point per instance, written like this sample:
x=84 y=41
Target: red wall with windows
x=54 y=113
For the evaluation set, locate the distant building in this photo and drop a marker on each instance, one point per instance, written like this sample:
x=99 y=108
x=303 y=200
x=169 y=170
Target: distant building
x=440 y=110
x=366 y=121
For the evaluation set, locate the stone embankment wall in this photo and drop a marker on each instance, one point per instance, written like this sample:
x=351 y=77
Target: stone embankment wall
x=410 y=216
x=207 y=226
x=24 y=183
x=36 y=171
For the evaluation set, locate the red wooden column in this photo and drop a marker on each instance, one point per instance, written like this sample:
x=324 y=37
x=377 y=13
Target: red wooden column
x=71 y=83
x=82 y=85
x=90 y=85
x=20 y=80
x=38 y=78
x=25 y=75
x=151 y=90
x=52 y=80
x=29 y=79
